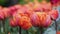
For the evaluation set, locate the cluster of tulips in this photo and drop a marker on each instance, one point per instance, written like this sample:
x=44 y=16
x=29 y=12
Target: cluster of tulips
x=28 y=15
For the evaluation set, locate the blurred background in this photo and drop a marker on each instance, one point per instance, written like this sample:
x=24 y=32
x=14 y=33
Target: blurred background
x=5 y=28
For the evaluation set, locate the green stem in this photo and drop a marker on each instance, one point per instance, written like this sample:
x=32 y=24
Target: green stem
x=27 y=32
x=3 y=24
x=41 y=30
x=20 y=30
x=55 y=25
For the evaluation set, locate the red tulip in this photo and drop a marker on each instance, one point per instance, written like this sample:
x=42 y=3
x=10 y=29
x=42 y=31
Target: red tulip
x=16 y=17
x=53 y=14
x=1 y=14
x=35 y=19
x=12 y=9
x=6 y=12
x=58 y=32
x=54 y=1
x=27 y=10
x=18 y=6
x=13 y=23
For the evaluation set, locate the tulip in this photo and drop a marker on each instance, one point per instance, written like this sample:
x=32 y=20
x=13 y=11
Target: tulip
x=1 y=14
x=18 y=6
x=53 y=14
x=41 y=19
x=16 y=17
x=13 y=23
x=6 y=12
x=35 y=19
x=58 y=32
x=25 y=23
x=27 y=10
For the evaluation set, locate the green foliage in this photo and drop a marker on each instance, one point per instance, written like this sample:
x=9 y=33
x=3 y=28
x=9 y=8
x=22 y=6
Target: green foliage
x=40 y=0
x=2 y=2
x=48 y=0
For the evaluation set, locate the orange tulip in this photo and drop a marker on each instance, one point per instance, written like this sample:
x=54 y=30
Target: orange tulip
x=45 y=19
x=41 y=19
x=25 y=23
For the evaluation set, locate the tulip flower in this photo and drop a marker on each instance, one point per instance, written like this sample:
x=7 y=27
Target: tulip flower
x=58 y=32
x=53 y=14
x=27 y=10
x=1 y=14
x=13 y=23
x=25 y=23
x=18 y=6
x=41 y=19
x=35 y=19
x=6 y=12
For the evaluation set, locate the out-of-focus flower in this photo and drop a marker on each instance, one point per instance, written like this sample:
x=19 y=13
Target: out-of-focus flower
x=58 y=32
x=6 y=12
x=1 y=15
x=25 y=23
x=53 y=14
x=41 y=19
x=13 y=23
